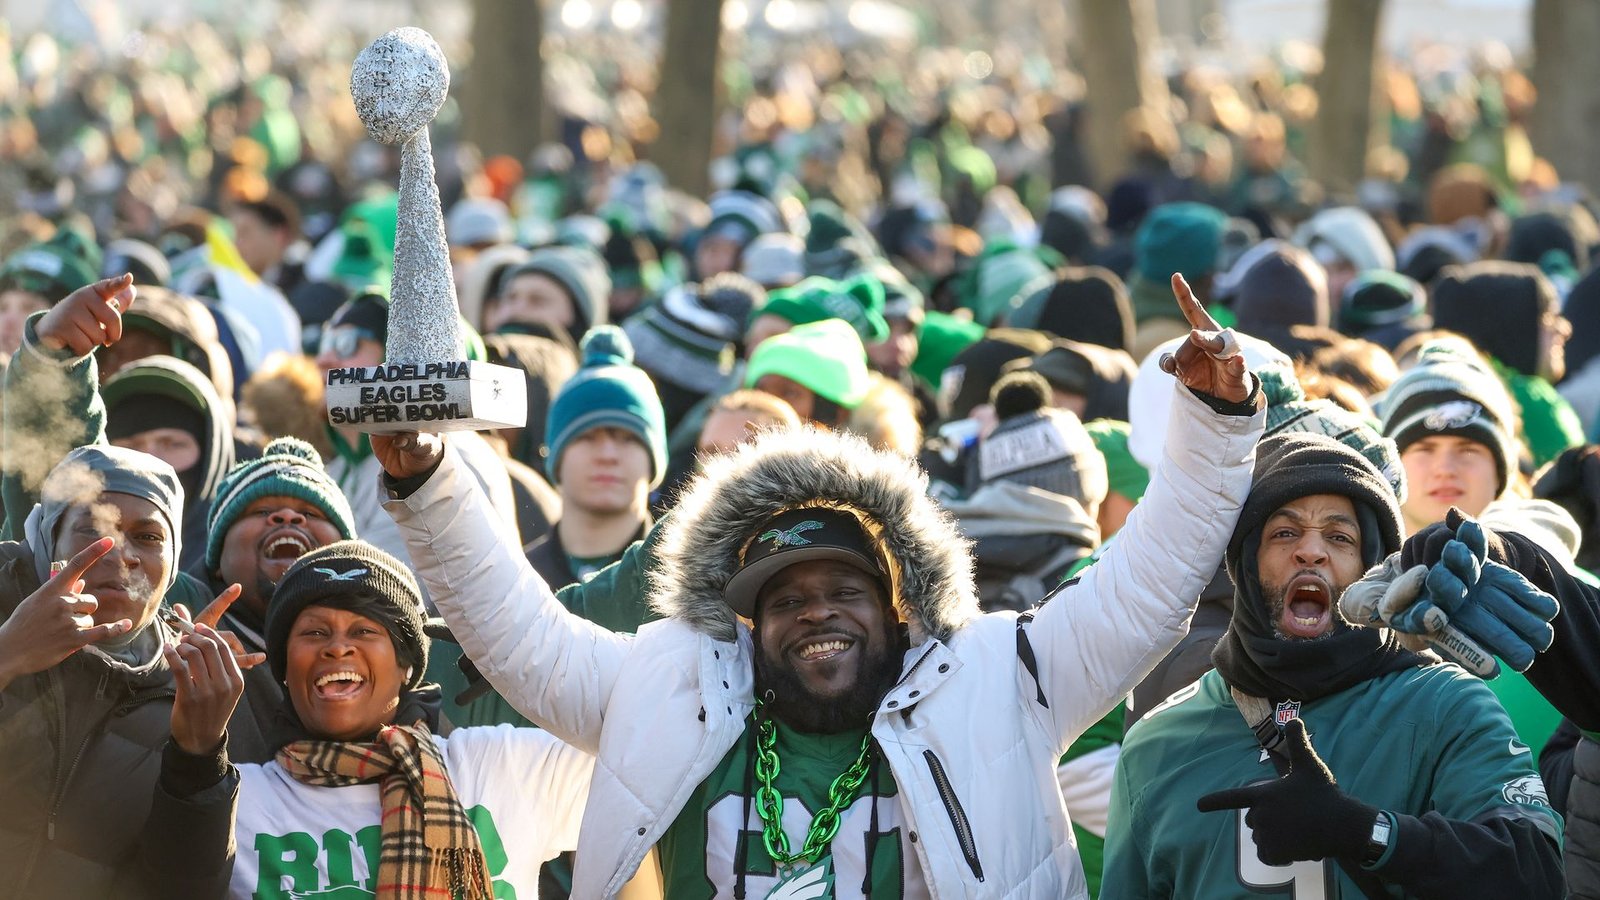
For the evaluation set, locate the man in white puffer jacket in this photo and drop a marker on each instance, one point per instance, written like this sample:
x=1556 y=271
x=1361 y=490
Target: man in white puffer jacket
x=824 y=712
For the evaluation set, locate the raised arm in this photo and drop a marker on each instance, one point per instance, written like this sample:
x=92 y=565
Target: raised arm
x=553 y=667
x=1100 y=635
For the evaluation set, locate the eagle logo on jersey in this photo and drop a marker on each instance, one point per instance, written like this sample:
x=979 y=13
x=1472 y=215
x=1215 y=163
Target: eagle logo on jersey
x=1527 y=790
x=790 y=537
x=1455 y=414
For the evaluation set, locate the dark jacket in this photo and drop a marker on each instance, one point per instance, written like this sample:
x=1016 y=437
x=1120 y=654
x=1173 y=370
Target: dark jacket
x=81 y=749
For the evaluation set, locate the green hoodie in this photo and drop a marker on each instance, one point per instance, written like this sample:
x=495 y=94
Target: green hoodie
x=1549 y=423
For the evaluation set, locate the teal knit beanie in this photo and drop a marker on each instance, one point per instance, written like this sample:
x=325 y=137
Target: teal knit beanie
x=826 y=358
x=289 y=467
x=1179 y=237
x=608 y=391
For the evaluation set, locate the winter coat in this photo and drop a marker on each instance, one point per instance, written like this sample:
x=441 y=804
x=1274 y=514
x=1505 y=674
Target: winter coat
x=984 y=802
x=1582 y=851
x=81 y=748
x=1024 y=541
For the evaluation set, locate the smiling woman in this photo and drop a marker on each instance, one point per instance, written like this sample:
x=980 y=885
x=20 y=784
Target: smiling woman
x=338 y=806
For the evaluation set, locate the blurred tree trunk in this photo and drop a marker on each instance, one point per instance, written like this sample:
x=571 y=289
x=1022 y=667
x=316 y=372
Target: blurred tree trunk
x=1114 y=39
x=1351 y=115
x=502 y=103
x=1566 y=70
x=689 y=93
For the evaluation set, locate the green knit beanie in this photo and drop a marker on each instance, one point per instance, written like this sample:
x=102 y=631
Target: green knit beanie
x=1288 y=409
x=998 y=276
x=1123 y=473
x=858 y=301
x=289 y=467
x=609 y=391
x=1179 y=237
x=826 y=357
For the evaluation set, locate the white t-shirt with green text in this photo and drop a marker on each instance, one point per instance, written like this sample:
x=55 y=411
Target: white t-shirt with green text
x=523 y=789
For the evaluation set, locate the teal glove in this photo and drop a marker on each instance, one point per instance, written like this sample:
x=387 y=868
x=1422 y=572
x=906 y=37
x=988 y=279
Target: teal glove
x=1492 y=604
x=1389 y=590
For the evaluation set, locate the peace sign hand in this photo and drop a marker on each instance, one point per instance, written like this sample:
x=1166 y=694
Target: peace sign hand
x=1210 y=362
x=55 y=621
x=211 y=615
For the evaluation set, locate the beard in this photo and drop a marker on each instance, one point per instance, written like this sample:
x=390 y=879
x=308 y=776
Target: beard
x=789 y=699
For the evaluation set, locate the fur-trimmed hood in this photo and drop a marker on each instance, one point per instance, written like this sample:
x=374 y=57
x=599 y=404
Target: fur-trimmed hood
x=721 y=509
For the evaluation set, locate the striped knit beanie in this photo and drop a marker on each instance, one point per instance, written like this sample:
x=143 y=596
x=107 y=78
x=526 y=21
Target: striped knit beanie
x=1289 y=410
x=1452 y=392
x=289 y=467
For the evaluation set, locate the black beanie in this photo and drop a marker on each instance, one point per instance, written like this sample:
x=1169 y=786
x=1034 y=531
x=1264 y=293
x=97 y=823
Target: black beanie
x=144 y=412
x=1091 y=305
x=974 y=371
x=1499 y=307
x=357 y=577
x=368 y=311
x=1282 y=289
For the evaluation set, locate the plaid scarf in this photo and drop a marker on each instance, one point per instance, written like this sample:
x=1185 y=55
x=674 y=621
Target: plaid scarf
x=428 y=848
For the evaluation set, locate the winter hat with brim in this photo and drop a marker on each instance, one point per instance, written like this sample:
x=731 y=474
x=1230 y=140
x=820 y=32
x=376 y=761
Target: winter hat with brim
x=1124 y=475
x=356 y=577
x=1498 y=306
x=1379 y=298
x=288 y=467
x=580 y=271
x=826 y=358
x=368 y=310
x=608 y=391
x=1289 y=410
x=796 y=536
x=85 y=474
x=1038 y=447
x=1449 y=393
x=858 y=301
x=971 y=376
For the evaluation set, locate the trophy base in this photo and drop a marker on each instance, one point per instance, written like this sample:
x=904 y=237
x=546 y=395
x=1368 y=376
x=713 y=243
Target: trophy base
x=448 y=396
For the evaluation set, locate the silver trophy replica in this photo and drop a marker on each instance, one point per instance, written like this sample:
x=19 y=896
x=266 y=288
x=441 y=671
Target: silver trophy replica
x=426 y=382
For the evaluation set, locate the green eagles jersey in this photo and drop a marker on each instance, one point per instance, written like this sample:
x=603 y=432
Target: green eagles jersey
x=1416 y=741
x=699 y=848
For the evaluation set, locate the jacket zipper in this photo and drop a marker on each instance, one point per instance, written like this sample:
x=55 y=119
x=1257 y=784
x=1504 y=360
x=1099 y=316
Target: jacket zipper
x=958 y=816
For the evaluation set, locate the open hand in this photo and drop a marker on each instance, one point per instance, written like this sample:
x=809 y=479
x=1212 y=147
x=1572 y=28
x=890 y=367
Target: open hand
x=1210 y=361
x=407 y=453
x=209 y=685
x=212 y=614
x=90 y=317
x=1303 y=815
x=55 y=621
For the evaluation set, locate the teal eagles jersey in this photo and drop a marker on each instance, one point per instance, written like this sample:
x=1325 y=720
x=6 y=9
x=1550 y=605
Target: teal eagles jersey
x=1422 y=740
x=719 y=825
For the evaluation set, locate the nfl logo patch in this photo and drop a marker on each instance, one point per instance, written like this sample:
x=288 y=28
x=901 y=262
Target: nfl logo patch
x=1287 y=710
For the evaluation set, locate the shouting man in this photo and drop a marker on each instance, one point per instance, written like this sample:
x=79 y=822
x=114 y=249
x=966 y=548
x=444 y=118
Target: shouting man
x=1417 y=785
x=802 y=719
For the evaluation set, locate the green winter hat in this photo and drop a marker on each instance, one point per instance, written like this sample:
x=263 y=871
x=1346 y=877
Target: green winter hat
x=940 y=339
x=998 y=276
x=1123 y=472
x=858 y=301
x=826 y=357
x=289 y=467
x=52 y=269
x=608 y=391
x=362 y=262
x=1179 y=237
x=1288 y=409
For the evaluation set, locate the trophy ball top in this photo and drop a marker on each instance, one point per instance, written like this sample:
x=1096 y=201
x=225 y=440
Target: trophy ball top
x=398 y=83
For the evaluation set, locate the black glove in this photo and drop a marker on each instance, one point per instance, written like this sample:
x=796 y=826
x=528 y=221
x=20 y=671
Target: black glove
x=1303 y=815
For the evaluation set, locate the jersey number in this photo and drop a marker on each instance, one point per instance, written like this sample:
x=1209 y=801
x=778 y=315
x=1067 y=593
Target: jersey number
x=1302 y=881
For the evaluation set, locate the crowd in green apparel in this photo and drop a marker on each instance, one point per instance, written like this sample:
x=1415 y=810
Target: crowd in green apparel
x=913 y=259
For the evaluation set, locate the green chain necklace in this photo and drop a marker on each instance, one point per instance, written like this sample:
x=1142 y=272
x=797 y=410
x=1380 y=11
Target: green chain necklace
x=769 y=803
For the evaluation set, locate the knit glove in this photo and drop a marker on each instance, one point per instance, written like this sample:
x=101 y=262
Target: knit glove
x=1388 y=589
x=1303 y=815
x=1489 y=602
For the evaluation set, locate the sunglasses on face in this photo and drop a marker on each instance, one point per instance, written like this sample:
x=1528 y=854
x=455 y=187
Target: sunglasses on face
x=343 y=341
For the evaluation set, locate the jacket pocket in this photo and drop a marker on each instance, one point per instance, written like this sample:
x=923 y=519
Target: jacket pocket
x=958 y=816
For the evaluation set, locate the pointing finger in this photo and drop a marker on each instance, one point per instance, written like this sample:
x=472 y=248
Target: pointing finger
x=1300 y=751
x=1233 y=798
x=80 y=563
x=1193 y=311
x=214 y=610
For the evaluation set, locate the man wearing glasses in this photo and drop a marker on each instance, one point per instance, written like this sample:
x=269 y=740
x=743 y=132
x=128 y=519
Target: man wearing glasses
x=355 y=336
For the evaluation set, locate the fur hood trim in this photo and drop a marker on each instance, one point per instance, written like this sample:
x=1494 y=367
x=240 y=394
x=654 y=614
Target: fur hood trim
x=721 y=509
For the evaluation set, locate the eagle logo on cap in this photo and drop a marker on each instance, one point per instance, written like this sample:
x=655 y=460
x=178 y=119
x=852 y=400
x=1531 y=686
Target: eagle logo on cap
x=791 y=537
x=351 y=575
x=1455 y=414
